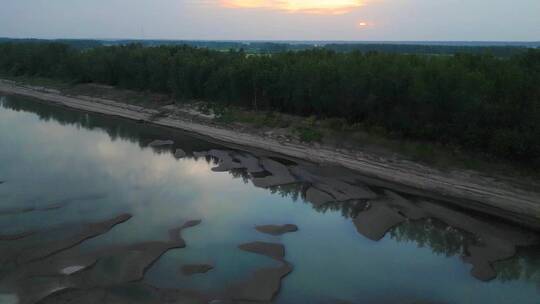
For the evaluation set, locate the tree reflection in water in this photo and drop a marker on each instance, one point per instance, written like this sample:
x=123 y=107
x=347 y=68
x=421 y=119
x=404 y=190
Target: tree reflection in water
x=491 y=247
x=524 y=266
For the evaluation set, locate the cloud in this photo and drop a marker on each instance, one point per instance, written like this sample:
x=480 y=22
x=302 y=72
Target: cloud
x=321 y=7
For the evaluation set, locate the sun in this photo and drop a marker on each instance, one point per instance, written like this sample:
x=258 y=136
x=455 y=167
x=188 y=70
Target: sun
x=362 y=24
x=326 y=7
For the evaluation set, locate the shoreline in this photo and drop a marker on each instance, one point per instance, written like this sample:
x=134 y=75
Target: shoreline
x=480 y=194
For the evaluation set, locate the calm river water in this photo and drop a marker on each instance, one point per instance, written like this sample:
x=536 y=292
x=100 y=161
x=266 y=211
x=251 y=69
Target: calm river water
x=70 y=180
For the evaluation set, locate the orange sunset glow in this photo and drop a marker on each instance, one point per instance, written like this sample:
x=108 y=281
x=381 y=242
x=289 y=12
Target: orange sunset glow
x=323 y=7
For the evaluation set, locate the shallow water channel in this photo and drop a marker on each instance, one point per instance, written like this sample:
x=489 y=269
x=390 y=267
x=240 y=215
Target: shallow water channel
x=94 y=210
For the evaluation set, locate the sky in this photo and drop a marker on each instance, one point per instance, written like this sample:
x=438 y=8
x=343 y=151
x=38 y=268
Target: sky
x=347 y=20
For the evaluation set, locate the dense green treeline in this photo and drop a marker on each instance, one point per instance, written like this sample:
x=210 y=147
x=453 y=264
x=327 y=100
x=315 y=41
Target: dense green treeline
x=427 y=49
x=480 y=102
x=74 y=43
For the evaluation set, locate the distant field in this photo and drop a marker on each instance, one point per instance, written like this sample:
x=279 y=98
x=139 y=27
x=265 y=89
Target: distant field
x=406 y=47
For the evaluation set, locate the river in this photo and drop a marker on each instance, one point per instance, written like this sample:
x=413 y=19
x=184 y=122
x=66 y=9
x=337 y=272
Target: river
x=94 y=209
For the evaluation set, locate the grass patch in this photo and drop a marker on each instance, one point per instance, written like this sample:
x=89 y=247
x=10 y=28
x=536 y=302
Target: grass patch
x=308 y=135
x=256 y=119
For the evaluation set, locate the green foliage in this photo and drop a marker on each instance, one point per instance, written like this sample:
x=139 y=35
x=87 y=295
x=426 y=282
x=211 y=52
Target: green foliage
x=256 y=119
x=307 y=134
x=477 y=101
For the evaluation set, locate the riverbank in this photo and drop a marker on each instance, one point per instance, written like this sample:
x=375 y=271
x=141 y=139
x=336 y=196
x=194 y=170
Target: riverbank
x=475 y=191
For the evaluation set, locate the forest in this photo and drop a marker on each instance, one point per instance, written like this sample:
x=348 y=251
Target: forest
x=478 y=101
